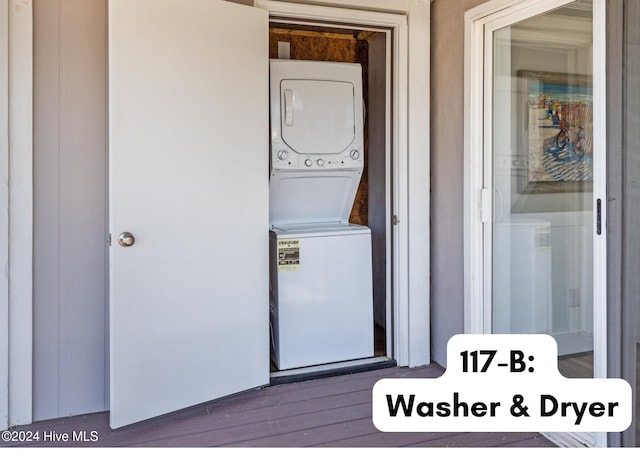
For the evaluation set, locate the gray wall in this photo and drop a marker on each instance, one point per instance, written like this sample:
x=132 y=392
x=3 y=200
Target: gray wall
x=447 y=168
x=70 y=210
x=631 y=215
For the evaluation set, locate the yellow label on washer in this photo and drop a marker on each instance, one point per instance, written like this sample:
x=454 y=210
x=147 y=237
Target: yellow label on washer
x=288 y=255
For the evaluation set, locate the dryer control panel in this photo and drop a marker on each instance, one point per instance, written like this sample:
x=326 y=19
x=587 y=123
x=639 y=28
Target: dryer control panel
x=283 y=158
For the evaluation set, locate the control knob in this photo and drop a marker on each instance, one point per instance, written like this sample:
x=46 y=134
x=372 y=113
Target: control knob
x=282 y=154
x=320 y=162
x=308 y=162
x=355 y=154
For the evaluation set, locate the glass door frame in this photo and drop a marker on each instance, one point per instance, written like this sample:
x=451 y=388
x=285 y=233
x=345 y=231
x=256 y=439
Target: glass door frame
x=480 y=24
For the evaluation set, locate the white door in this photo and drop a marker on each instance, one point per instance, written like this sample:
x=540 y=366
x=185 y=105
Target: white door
x=188 y=133
x=541 y=230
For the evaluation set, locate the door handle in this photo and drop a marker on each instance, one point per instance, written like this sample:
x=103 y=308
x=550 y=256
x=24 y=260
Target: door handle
x=126 y=239
x=288 y=107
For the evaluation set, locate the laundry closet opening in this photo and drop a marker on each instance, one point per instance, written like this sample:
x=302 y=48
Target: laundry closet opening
x=372 y=206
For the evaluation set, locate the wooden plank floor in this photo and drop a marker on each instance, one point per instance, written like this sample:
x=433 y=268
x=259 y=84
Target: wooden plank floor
x=576 y=366
x=333 y=412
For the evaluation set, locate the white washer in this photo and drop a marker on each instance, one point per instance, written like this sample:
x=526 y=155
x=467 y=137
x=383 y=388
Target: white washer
x=522 y=299
x=321 y=274
x=322 y=294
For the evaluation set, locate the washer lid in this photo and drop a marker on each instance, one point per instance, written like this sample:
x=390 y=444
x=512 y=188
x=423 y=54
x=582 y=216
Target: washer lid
x=318 y=230
x=310 y=197
x=317 y=116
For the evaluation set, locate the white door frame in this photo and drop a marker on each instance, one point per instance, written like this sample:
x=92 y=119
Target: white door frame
x=480 y=22
x=16 y=206
x=16 y=196
x=410 y=110
x=4 y=209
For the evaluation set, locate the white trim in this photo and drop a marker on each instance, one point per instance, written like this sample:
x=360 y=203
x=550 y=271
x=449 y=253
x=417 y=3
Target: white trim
x=600 y=192
x=487 y=201
x=479 y=22
x=473 y=165
x=390 y=344
x=419 y=186
x=411 y=189
x=327 y=14
x=4 y=214
x=395 y=6
x=20 y=211
x=599 y=182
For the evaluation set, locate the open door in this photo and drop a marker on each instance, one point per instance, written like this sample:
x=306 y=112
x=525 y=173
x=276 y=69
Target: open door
x=188 y=133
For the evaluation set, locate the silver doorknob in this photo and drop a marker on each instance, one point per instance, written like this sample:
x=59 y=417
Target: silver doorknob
x=126 y=239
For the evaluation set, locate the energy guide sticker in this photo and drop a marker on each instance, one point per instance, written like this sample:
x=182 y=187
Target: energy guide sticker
x=502 y=383
x=288 y=255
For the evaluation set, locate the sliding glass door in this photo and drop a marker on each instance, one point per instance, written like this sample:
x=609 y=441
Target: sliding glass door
x=542 y=157
x=535 y=180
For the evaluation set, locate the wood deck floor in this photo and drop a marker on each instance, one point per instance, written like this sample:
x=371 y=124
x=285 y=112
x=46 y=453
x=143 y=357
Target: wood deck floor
x=334 y=412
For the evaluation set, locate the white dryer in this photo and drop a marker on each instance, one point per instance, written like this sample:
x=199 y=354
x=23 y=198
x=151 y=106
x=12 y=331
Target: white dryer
x=322 y=305
x=317 y=148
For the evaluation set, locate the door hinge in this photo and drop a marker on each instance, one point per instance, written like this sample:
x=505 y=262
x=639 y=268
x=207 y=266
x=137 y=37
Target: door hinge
x=485 y=205
x=395 y=220
x=109 y=239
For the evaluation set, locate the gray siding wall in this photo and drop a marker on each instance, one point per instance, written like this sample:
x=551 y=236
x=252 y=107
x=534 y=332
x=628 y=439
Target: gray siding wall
x=631 y=215
x=447 y=168
x=70 y=211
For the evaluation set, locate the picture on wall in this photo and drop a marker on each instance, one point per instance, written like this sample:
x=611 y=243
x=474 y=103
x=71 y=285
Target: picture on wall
x=556 y=126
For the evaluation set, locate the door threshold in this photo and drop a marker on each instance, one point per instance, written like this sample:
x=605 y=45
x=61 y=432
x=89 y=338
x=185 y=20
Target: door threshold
x=330 y=369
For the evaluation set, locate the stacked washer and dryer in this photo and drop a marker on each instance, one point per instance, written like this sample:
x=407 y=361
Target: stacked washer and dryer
x=320 y=272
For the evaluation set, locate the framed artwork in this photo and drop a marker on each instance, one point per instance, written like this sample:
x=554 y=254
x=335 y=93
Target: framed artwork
x=556 y=132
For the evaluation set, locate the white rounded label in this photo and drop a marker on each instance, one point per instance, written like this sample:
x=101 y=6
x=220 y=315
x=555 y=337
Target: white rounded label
x=502 y=383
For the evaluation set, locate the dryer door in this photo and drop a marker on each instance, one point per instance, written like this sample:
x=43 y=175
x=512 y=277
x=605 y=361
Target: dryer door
x=317 y=117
